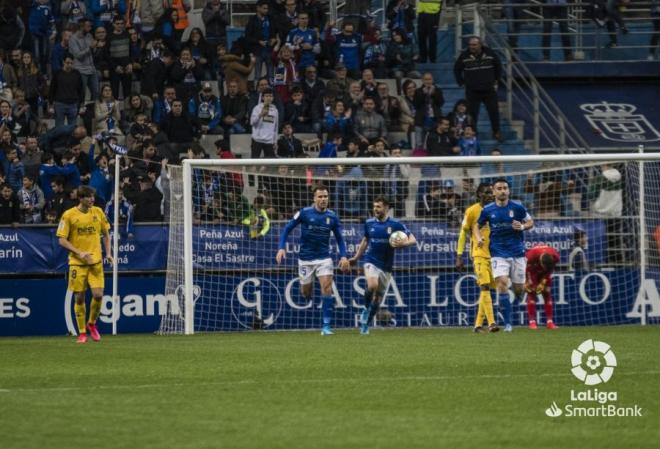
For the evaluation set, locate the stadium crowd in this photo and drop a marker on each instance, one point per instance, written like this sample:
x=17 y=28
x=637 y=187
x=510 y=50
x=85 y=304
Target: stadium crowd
x=81 y=80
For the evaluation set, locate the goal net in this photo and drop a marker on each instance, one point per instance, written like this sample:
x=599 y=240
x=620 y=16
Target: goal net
x=226 y=220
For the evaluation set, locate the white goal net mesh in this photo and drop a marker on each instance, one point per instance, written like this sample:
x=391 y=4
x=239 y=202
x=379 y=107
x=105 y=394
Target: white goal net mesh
x=589 y=212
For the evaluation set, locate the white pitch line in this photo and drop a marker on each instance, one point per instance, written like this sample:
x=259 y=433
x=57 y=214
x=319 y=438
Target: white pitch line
x=300 y=381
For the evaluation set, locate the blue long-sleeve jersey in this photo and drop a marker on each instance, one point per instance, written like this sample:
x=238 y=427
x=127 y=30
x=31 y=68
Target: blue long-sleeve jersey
x=315 y=236
x=348 y=50
x=125 y=215
x=41 y=21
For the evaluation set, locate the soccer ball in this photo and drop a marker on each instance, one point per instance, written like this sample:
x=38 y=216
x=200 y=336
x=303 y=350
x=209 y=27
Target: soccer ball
x=398 y=237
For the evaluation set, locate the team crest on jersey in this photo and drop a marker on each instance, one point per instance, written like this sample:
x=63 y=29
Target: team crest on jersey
x=511 y=213
x=389 y=230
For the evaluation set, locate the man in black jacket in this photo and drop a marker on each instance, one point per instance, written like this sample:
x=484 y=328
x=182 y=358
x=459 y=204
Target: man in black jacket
x=67 y=93
x=440 y=141
x=479 y=69
x=148 y=200
x=428 y=101
x=234 y=109
x=179 y=128
x=260 y=34
x=10 y=212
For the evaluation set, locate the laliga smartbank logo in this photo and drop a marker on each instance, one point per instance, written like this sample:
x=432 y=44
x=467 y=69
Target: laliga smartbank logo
x=593 y=363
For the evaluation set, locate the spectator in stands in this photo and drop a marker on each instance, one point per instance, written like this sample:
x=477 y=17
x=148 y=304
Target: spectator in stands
x=400 y=56
x=10 y=212
x=163 y=106
x=8 y=79
x=205 y=109
x=320 y=107
x=216 y=20
x=67 y=93
x=513 y=14
x=25 y=121
x=135 y=105
x=16 y=58
x=156 y=67
x=31 y=156
x=297 y=112
x=389 y=107
x=331 y=147
x=369 y=124
x=340 y=84
x=31 y=200
x=355 y=97
x=121 y=72
x=42 y=30
x=186 y=75
x=234 y=110
x=287 y=20
x=285 y=73
x=200 y=51
x=469 y=142
x=60 y=200
x=148 y=200
x=338 y=120
x=440 y=141
x=348 y=46
x=256 y=97
x=312 y=87
x=556 y=10
x=126 y=228
x=104 y=11
x=59 y=50
x=257 y=219
x=106 y=112
x=178 y=126
x=314 y=10
x=7 y=120
x=577 y=259
x=407 y=104
x=101 y=54
x=374 y=57
x=234 y=207
x=31 y=80
x=81 y=48
x=233 y=68
x=428 y=20
x=607 y=12
x=401 y=16
x=264 y=119
x=428 y=103
x=368 y=85
x=304 y=42
x=548 y=188
x=352 y=193
x=459 y=119
x=395 y=186
x=182 y=8
x=50 y=216
x=12 y=168
x=260 y=34
x=479 y=69
x=430 y=205
x=164 y=29
x=655 y=36
x=288 y=145
x=451 y=209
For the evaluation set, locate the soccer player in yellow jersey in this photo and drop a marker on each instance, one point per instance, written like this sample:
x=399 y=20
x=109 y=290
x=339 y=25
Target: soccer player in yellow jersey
x=480 y=258
x=80 y=231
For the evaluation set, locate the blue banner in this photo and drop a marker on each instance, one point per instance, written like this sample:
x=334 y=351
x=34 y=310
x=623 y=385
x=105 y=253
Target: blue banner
x=272 y=300
x=221 y=247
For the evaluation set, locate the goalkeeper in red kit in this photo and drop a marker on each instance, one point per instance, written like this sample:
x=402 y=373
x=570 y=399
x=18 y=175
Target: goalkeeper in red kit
x=541 y=262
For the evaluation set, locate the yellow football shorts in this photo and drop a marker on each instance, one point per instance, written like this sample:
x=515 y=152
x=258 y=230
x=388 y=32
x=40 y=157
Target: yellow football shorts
x=483 y=271
x=80 y=276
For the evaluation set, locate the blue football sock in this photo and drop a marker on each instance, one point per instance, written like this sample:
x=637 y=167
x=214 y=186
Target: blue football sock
x=507 y=309
x=368 y=295
x=373 y=310
x=328 y=304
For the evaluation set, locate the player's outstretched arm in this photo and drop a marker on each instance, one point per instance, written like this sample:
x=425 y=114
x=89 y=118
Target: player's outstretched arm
x=108 y=247
x=362 y=247
x=281 y=252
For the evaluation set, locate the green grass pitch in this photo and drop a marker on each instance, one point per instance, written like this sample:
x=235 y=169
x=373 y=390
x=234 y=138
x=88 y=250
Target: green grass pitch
x=418 y=388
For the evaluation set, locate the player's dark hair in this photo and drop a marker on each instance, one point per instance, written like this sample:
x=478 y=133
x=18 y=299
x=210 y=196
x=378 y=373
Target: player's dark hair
x=577 y=235
x=84 y=191
x=483 y=186
x=5 y=186
x=498 y=180
x=382 y=199
x=547 y=261
x=318 y=187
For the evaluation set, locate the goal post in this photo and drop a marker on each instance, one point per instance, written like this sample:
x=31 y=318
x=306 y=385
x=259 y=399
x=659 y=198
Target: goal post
x=221 y=256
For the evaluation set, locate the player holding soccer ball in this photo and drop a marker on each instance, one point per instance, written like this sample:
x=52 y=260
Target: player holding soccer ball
x=80 y=231
x=507 y=220
x=480 y=258
x=382 y=235
x=317 y=223
x=541 y=262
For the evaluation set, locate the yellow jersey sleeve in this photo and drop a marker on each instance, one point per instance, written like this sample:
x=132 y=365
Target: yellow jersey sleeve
x=64 y=226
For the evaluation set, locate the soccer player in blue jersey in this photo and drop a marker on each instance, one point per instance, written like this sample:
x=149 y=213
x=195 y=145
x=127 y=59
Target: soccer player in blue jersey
x=507 y=220
x=314 y=259
x=379 y=257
